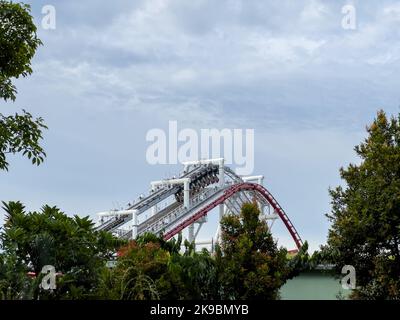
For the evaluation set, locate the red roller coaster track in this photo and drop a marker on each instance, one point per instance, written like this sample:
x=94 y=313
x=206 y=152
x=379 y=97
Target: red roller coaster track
x=229 y=193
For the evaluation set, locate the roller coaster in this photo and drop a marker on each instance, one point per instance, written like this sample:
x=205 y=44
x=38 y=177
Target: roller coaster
x=175 y=204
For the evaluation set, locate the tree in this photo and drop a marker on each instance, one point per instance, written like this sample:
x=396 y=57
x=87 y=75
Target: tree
x=14 y=282
x=150 y=268
x=139 y=269
x=250 y=264
x=18 y=44
x=49 y=237
x=365 y=213
x=194 y=275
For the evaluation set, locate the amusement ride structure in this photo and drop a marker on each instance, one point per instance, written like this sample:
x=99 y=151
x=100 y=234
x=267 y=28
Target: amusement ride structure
x=175 y=204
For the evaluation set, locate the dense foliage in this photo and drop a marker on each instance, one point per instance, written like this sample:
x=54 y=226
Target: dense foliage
x=31 y=240
x=150 y=268
x=365 y=213
x=18 y=44
x=248 y=265
x=19 y=133
x=251 y=265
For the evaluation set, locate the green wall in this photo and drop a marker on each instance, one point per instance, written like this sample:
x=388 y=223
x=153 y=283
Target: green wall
x=316 y=285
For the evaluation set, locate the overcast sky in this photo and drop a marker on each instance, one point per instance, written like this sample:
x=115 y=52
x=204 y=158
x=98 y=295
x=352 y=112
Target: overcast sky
x=112 y=70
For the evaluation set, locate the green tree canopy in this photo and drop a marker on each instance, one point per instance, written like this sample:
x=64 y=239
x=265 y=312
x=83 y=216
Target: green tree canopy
x=151 y=268
x=251 y=266
x=365 y=214
x=31 y=240
x=248 y=266
x=18 y=44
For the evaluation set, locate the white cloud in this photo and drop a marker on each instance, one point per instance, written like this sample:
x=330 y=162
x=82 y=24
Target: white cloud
x=184 y=76
x=314 y=11
x=392 y=11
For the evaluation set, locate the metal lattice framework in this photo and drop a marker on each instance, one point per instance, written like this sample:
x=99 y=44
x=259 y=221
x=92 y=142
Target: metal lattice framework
x=187 y=200
x=228 y=194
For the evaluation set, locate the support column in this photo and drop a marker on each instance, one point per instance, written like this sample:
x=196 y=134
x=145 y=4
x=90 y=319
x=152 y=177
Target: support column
x=217 y=235
x=261 y=182
x=221 y=211
x=186 y=204
x=221 y=177
x=134 y=225
x=191 y=233
x=186 y=193
x=221 y=173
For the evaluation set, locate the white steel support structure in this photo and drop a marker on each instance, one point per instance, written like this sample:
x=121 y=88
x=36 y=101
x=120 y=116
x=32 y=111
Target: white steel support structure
x=172 y=206
x=218 y=161
x=221 y=177
x=186 y=193
x=260 y=181
x=186 y=188
x=267 y=216
x=186 y=198
x=115 y=213
x=135 y=224
x=121 y=213
x=221 y=183
x=221 y=174
x=191 y=237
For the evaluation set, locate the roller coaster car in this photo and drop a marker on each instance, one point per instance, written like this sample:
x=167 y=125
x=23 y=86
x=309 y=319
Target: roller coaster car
x=199 y=181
